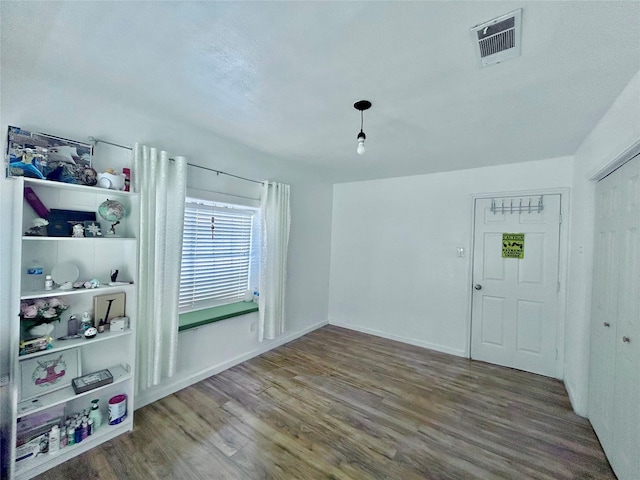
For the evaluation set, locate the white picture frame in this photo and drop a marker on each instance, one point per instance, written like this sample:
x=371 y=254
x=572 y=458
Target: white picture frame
x=47 y=373
x=107 y=307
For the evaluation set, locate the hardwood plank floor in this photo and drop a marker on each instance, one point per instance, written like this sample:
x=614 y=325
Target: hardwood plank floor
x=344 y=405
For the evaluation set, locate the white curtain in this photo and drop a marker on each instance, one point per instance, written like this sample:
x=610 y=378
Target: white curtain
x=161 y=184
x=276 y=220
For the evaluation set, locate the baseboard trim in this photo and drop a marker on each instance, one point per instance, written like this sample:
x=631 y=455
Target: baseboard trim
x=397 y=338
x=579 y=408
x=155 y=394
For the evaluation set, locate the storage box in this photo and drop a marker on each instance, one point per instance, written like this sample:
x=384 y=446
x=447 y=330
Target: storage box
x=31 y=449
x=34 y=345
x=61 y=222
x=119 y=324
x=91 y=381
x=32 y=435
x=43 y=156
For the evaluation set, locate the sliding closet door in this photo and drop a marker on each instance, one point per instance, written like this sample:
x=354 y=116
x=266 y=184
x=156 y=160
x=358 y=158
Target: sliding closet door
x=626 y=457
x=615 y=363
x=604 y=311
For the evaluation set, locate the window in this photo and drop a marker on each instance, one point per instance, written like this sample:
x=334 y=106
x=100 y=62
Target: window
x=220 y=253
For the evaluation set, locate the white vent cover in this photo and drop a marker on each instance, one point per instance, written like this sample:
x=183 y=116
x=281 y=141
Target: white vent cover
x=499 y=39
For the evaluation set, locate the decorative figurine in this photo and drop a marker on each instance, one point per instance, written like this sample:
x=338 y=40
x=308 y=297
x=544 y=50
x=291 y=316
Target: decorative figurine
x=78 y=230
x=93 y=283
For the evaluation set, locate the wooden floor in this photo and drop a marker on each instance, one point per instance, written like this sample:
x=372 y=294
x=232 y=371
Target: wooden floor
x=340 y=404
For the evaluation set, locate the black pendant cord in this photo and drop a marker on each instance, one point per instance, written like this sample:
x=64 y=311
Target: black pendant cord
x=362 y=105
x=217 y=172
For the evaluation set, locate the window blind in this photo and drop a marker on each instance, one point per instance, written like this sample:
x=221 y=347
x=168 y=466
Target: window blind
x=216 y=262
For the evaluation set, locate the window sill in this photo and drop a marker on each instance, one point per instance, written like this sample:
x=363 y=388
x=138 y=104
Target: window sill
x=199 y=318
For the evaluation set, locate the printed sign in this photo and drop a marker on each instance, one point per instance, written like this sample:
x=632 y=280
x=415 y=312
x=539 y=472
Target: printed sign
x=513 y=245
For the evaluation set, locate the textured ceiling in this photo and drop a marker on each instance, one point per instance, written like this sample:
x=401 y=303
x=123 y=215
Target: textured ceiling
x=282 y=76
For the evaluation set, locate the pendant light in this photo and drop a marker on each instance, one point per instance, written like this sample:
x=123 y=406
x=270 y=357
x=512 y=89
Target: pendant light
x=361 y=105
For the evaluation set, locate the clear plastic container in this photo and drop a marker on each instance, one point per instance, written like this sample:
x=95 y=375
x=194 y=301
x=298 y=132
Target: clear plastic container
x=34 y=278
x=86 y=322
x=95 y=414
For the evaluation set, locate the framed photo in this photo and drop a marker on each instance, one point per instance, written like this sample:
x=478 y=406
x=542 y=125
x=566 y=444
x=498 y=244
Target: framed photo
x=47 y=157
x=92 y=229
x=106 y=307
x=47 y=373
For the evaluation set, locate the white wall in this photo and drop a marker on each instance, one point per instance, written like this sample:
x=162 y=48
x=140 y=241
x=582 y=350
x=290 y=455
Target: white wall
x=614 y=136
x=51 y=108
x=210 y=349
x=394 y=269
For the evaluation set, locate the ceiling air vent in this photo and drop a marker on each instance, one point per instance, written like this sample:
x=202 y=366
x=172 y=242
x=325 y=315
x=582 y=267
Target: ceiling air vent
x=498 y=39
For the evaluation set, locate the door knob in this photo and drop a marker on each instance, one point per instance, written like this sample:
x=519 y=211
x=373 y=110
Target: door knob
x=626 y=339
x=606 y=324
x=477 y=286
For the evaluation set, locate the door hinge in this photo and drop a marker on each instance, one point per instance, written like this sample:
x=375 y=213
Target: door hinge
x=558 y=290
x=560 y=218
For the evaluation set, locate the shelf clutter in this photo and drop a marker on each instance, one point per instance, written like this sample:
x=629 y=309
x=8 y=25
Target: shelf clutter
x=71 y=375
x=47 y=433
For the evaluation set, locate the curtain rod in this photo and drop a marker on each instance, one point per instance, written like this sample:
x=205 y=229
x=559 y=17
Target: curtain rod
x=218 y=172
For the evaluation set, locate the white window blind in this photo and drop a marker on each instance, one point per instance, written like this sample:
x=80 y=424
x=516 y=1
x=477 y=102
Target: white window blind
x=217 y=263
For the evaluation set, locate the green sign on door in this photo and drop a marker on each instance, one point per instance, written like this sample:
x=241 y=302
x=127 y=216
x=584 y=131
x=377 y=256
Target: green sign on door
x=513 y=245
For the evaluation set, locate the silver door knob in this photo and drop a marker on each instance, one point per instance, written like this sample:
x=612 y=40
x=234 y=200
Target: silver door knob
x=607 y=324
x=626 y=339
x=477 y=286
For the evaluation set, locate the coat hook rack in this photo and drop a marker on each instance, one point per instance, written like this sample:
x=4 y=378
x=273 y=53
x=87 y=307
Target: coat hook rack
x=529 y=208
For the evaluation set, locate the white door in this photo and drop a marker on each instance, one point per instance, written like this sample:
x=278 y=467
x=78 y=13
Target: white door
x=604 y=305
x=614 y=387
x=627 y=380
x=514 y=309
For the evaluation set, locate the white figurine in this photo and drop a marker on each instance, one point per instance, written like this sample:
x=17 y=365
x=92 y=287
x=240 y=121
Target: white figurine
x=78 y=230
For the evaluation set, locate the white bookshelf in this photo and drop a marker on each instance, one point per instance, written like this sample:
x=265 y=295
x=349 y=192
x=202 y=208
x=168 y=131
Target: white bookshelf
x=95 y=258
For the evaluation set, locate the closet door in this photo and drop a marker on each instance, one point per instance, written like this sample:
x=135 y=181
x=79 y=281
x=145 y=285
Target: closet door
x=604 y=313
x=614 y=396
x=626 y=455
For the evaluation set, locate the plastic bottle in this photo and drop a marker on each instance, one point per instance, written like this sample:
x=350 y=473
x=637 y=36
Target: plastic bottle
x=127 y=179
x=84 y=429
x=95 y=414
x=54 y=439
x=86 y=322
x=48 y=283
x=72 y=326
x=35 y=277
x=63 y=437
x=71 y=434
x=77 y=434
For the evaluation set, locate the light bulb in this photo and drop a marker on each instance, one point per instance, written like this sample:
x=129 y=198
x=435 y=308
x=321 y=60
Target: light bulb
x=361 y=138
